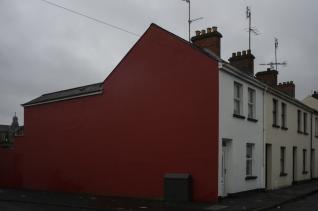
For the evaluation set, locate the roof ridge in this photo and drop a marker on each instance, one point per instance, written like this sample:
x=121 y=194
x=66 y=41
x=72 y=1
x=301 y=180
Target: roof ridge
x=64 y=90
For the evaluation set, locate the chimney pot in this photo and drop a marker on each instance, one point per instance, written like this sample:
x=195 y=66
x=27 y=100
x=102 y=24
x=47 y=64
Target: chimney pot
x=244 y=53
x=248 y=51
x=197 y=32
x=239 y=53
x=209 y=30
x=214 y=28
x=233 y=54
x=202 y=31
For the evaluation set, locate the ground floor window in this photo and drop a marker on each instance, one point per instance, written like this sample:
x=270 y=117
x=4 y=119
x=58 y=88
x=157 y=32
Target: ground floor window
x=249 y=159
x=282 y=160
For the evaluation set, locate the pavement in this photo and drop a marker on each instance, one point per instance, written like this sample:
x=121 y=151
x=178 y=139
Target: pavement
x=253 y=200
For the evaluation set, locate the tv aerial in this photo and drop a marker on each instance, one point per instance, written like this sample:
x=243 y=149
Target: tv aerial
x=275 y=64
x=189 y=18
x=250 y=29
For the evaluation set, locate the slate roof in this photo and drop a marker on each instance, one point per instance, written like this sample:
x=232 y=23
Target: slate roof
x=66 y=94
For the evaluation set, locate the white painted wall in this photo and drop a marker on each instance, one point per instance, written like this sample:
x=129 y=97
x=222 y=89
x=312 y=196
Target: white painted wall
x=286 y=138
x=241 y=132
x=313 y=103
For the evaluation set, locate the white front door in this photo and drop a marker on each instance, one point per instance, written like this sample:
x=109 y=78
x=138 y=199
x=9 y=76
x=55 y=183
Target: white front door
x=223 y=169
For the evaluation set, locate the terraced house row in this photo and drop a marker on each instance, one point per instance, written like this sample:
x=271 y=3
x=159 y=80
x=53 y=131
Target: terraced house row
x=170 y=111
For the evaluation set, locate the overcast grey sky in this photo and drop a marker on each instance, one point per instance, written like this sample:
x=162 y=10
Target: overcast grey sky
x=45 y=49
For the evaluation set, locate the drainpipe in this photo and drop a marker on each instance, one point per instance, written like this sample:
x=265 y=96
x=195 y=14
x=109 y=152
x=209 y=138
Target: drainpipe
x=264 y=144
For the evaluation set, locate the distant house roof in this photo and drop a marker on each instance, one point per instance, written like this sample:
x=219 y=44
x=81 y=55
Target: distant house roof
x=66 y=94
x=4 y=128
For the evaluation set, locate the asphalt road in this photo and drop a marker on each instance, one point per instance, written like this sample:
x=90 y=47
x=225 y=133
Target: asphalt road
x=21 y=206
x=309 y=204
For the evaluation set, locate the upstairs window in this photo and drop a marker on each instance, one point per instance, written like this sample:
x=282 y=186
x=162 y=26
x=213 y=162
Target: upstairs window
x=284 y=116
x=251 y=104
x=305 y=123
x=275 y=112
x=238 y=98
x=299 y=121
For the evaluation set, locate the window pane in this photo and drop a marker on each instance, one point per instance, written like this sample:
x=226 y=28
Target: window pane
x=250 y=111
x=236 y=106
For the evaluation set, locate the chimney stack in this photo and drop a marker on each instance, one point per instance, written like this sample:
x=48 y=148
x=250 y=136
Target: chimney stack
x=210 y=39
x=243 y=61
x=287 y=87
x=269 y=77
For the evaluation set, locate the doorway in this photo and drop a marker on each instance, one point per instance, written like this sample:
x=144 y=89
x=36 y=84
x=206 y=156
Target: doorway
x=224 y=165
x=294 y=164
x=313 y=163
x=268 y=166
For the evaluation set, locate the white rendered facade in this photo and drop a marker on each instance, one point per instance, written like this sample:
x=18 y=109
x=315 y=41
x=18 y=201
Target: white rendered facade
x=313 y=103
x=288 y=144
x=241 y=145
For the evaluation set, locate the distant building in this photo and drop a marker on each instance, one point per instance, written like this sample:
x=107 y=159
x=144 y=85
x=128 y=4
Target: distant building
x=4 y=131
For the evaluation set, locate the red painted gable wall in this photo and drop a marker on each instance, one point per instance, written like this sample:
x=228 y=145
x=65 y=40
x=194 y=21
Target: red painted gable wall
x=158 y=114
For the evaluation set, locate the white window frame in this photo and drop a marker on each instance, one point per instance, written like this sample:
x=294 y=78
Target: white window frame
x=249 y=159
x=238 y=100
x=251 y=103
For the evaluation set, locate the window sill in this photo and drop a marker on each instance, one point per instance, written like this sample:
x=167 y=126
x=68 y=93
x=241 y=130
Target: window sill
x=284 y=128
x=306 y=134
x=252 y=120
x=283 y=174
x=250 y=177
x=276 y=126
x=300 y=132
x=316 y=136
x=238 y=116
x=305 y=172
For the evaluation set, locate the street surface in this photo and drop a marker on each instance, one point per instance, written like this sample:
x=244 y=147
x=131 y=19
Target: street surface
x=309 y=204
x=22 y=206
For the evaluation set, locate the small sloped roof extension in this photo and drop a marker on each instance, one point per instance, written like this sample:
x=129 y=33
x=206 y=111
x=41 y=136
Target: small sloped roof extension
x=67 y=94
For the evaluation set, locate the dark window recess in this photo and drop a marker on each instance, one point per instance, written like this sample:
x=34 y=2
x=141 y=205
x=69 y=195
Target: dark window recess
x=238 y=116
x=299 y=121
x=284 y=113
x=282 y=161
x=250 y=177
x=276 y=126
x=252 y=120
x=275 y=112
